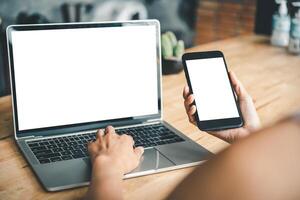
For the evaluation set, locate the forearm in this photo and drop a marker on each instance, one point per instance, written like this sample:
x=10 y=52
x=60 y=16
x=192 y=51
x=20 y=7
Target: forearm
x=263 y=166
x=106 y=189
x=106 y=182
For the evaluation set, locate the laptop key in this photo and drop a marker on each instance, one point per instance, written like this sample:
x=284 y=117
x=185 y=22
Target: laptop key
x=166 y=137
x=73 y=143
x=160 y=142
x=51 y=146
x=76 y=152
x=76 y=147
x=43 y=143
x=68 y=148
x=81 y=141
x=33 y=144
x=68 y=157
x=65 y=153
x=57 y=150
x=137 y=144
x=55 y=159
x=62 y=144
x=51 y=142
x=51 y=155
x=43 y=152
x=81 y=155
x=44 y=161
x=38 y=148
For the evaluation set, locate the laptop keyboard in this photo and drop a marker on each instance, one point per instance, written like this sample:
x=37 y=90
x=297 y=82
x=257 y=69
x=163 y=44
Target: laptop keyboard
x=75 y=146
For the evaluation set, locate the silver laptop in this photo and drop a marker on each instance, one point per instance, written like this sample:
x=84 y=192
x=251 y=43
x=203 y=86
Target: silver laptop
x=68 y=80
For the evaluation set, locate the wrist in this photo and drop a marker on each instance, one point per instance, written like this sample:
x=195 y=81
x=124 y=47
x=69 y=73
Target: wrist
x=106 y=177
x=104 y=167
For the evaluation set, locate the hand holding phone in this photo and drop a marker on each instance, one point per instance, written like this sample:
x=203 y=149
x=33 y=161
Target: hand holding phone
x=207 y=77
x=248 y=111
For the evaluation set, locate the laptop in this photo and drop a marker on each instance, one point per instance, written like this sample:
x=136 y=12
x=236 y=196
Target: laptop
x=68 y=80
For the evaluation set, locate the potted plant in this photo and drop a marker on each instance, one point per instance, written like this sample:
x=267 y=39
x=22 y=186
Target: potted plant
x=172 y=50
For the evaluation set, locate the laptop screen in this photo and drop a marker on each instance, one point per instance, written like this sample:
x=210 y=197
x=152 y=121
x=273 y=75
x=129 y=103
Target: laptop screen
x=80 y=75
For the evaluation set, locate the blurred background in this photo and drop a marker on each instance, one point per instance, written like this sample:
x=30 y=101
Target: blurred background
x=194 y=21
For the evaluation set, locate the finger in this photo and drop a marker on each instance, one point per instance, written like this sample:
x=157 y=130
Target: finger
x=235 y=83
x=238 y=86
x=110 y=136
x=191 y=113
x=128 y=139
x=109 y=129
x=100 y=134
x=188 y=101
x=139 y=152
x=192 y=120
x=93 y=149
x=192 y=110
x=186 y=91
x=100 y=138
x=131 y=140
x=233 y=78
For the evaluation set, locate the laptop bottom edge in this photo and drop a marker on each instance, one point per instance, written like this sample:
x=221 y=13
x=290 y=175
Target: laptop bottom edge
x=127 y=176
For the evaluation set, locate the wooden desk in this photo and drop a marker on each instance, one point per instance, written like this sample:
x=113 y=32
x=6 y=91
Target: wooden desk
x=270 y=74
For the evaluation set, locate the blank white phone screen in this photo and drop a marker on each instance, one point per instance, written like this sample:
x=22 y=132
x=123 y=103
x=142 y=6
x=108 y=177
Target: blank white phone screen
x=211 y=89
x=82 y=75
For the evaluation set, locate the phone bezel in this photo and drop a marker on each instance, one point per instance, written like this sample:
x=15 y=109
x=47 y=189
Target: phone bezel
x=217 y=124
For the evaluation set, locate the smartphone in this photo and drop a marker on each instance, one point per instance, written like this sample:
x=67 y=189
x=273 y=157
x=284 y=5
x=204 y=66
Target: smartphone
x=215 y=100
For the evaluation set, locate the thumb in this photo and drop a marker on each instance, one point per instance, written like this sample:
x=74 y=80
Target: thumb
x=186 y=92
x=238 y=87
x=139 y=152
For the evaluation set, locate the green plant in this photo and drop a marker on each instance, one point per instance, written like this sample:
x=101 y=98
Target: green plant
x=171 y=47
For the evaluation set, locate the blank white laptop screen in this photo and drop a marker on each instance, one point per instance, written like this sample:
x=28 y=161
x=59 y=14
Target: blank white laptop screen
x=71 y=76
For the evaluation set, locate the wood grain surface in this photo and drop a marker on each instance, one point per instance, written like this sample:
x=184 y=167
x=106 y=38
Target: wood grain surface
x=270 y=74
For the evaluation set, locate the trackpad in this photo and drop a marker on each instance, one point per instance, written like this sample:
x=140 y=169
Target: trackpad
x=152 y=160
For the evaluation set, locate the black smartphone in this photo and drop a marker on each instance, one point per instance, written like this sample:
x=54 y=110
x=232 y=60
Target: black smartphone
x=208 y=78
